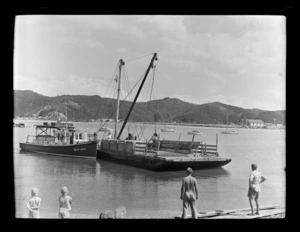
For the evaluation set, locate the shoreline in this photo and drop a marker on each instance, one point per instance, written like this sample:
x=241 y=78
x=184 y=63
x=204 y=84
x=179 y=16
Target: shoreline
x=222 y=126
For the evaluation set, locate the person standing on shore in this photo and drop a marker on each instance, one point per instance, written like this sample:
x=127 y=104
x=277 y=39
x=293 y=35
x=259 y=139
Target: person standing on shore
x=34 y=204
x=189 y=193
x=65 y=202
x=255 y=179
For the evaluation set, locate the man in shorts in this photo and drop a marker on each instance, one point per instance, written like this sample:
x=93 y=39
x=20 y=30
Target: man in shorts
x=189 y=193
x=255 y=179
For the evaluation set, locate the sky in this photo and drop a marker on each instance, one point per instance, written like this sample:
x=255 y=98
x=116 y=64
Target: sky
x=236 y=60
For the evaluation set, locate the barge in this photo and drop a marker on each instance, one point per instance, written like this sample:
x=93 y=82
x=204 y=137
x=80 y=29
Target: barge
x=156 y=154
x=161 y=156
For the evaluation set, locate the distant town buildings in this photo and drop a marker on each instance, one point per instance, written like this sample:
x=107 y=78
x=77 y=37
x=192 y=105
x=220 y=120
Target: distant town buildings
x=255 y=123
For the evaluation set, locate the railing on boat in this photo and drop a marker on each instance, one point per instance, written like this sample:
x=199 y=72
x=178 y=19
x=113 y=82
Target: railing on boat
x=52 y=140
x=187 y=147
x=206 y=149
x=130 y=147
x=144 y=147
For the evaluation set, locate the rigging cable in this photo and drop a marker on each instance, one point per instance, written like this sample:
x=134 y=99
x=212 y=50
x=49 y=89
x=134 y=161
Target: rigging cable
x=149 y=102
x=127 y=61
x=101 y=106
x=121 y=103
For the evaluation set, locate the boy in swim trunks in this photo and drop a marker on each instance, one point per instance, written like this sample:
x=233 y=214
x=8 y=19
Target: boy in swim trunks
x=65 y=202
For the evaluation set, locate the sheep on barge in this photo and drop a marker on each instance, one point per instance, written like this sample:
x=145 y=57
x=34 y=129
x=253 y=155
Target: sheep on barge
x=156 y=155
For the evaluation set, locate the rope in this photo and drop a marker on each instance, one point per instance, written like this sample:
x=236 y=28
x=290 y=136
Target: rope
x=138 y=58
x=129 y=94
x=149 y=103
x=109 y=86
x=123 y=100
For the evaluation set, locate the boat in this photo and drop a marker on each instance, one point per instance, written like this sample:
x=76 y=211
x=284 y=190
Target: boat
x=57 y=140
x=233 y=131
x=155 y=154
x=230 y=131
x=194 y=132
x=105 y=129
x=167 y=129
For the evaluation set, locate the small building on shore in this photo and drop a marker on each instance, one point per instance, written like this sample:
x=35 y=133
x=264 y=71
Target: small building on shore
x=255 y=123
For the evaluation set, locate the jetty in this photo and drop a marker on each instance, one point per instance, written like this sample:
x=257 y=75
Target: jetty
x=244 y=213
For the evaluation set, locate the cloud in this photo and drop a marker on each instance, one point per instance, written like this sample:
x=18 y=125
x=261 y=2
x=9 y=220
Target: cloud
x=122 y=50
x=94 y=44
x=259 y=39
x=106 y=22
x=119 y=23
x=86 y=42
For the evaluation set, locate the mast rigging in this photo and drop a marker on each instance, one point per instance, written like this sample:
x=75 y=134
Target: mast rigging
x=139 y=90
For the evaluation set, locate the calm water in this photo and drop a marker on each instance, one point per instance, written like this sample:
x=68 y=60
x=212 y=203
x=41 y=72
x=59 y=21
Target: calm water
x=96 y=186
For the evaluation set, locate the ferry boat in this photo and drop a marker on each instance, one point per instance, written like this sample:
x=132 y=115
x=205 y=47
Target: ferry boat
x=157 y=155
x=51 y=139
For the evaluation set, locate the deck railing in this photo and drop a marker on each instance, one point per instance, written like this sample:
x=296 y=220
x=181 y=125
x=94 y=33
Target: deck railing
x=206 y=149
x=143 y=147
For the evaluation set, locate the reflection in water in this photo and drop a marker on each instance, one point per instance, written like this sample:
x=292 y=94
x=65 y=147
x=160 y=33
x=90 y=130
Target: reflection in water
x=53 y=165
x=128 y=172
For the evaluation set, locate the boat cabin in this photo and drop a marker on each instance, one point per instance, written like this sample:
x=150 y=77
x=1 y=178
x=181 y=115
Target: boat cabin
x=45 y=135
x=54 y=135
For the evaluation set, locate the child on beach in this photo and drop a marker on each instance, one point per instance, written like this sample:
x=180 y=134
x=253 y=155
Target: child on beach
x=34 y=204
x=65 y=202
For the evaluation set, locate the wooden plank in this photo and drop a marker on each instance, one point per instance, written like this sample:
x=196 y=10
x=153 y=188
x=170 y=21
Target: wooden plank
x=207 y=149
x=200 y=215
x=225 y=212
x=179 y=146
x=244 y=215
x=207 y=145
x=208 y=152
x=180 y=142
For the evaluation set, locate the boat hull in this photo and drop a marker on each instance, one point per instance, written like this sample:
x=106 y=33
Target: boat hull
x=232 y=133
x=167 y=130
x=83 y=150
x=162 y=164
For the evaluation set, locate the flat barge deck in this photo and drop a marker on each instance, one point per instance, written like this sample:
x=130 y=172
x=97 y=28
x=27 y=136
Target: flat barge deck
x=139 y=155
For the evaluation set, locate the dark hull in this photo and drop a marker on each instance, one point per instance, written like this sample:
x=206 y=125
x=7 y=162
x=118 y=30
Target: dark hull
x=83 y=150
x=161 y=164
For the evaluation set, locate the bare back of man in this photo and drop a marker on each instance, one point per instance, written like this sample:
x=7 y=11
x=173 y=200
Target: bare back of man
x=189 y=194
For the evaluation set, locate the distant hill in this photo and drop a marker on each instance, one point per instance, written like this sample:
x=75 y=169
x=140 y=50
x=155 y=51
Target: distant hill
x=86 y=108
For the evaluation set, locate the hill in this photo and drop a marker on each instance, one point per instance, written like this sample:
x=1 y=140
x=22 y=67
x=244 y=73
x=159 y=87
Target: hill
x=86 y=108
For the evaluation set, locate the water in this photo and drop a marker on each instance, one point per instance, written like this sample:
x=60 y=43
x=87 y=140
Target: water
x=101 y=185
